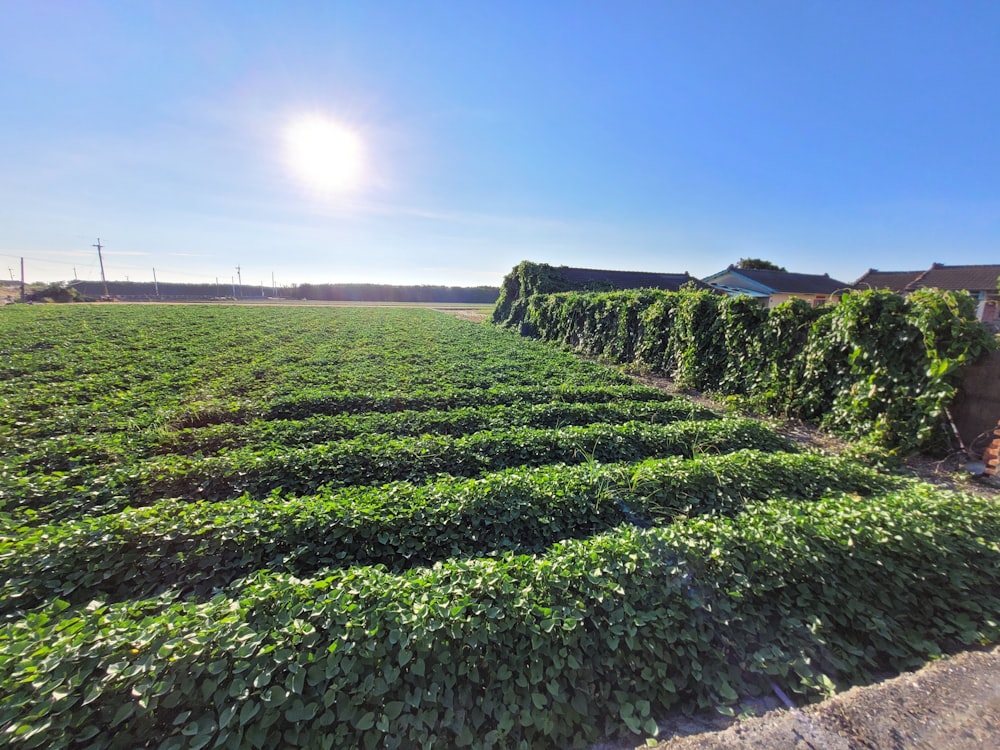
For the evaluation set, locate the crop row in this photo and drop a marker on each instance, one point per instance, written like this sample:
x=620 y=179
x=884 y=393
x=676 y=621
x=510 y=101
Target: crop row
x=395 y=415
x=590 y=638
x=199 y=547
x=74 y=370
x=452 y=422
x=309 y=402
x=366 y=460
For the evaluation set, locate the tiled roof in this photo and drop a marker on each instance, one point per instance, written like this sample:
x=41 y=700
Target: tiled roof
x=896 y=281
x=939 y=276
x=969 y=278
x=592 y=278
x=784 y=282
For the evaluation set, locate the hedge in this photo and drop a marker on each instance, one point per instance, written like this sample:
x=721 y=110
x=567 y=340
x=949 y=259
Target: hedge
x=877 y=366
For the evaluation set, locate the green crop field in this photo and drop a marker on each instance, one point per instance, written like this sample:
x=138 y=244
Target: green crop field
x=334 y=527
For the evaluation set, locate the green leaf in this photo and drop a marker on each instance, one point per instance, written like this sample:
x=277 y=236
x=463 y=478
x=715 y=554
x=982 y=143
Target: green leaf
x=123 y=712
x=249 y=710
x=726 y=691
x=273 y=696
x=393 y=709
x=300 y=711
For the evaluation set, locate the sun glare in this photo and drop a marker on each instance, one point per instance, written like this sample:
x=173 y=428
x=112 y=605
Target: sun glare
x=324 y=154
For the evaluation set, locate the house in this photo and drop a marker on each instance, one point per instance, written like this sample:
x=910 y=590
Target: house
x=776 y=287
x=894 y=281
x=979 y=281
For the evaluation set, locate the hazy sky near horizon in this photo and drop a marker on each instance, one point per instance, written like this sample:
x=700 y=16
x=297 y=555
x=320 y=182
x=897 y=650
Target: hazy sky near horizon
x=658 y=136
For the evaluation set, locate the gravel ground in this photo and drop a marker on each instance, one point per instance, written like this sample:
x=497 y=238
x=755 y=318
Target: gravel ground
x=951 y=704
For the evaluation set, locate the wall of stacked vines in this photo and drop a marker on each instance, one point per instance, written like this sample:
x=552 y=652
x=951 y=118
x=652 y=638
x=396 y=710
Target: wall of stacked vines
x=878 y=367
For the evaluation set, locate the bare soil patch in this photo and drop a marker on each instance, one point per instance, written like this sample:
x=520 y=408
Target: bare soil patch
x=473 y=314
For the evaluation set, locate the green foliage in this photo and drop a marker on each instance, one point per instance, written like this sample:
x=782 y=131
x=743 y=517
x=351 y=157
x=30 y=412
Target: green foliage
x=656 y=344
x=309 y=402
x=895 y=360
x=698 y=340
x=367 y=460
x=54 y=293
x=877 y=367
x=650 y=405
x=759 y=264
x=525 y=280
x=198 y=547
x=606 y=324
x=243 y=527
x=791 y=350
x=562 y=649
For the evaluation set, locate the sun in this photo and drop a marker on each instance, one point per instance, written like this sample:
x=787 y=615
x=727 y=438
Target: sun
x=324 y=154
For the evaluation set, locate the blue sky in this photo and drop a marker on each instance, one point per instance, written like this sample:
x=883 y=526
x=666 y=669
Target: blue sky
x=660 y=136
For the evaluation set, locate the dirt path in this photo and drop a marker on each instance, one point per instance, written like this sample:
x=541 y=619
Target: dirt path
x=952 y=704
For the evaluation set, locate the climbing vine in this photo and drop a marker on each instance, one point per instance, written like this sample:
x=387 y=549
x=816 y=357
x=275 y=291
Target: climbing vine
x=877 y=367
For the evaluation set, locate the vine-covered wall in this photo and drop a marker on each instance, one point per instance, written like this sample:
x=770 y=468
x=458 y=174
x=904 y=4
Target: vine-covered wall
x=878 y=366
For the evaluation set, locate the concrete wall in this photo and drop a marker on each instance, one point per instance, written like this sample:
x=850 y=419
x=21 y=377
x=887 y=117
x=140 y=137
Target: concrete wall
x=977 y=408
x=776 y=299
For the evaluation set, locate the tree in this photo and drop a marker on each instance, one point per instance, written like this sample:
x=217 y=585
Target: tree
x=55 y=293
x=758 y=264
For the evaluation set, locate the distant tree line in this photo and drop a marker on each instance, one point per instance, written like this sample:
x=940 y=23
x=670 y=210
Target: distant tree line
x=146 y=290
x=389 y=293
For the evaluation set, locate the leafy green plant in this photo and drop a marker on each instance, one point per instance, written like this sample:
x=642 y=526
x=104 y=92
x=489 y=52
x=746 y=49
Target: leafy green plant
x=194 y=548
x=591 y=638
x=877 y=366
x=397 y=529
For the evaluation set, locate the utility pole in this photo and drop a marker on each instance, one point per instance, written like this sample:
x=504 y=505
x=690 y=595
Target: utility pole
x=75 y=277
x=11 y=272
x=234 y=286
x=156 y=286
x=262 y=290
x=22 y=278
x=101 y=259
x=218 y=289
x=240 y=277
